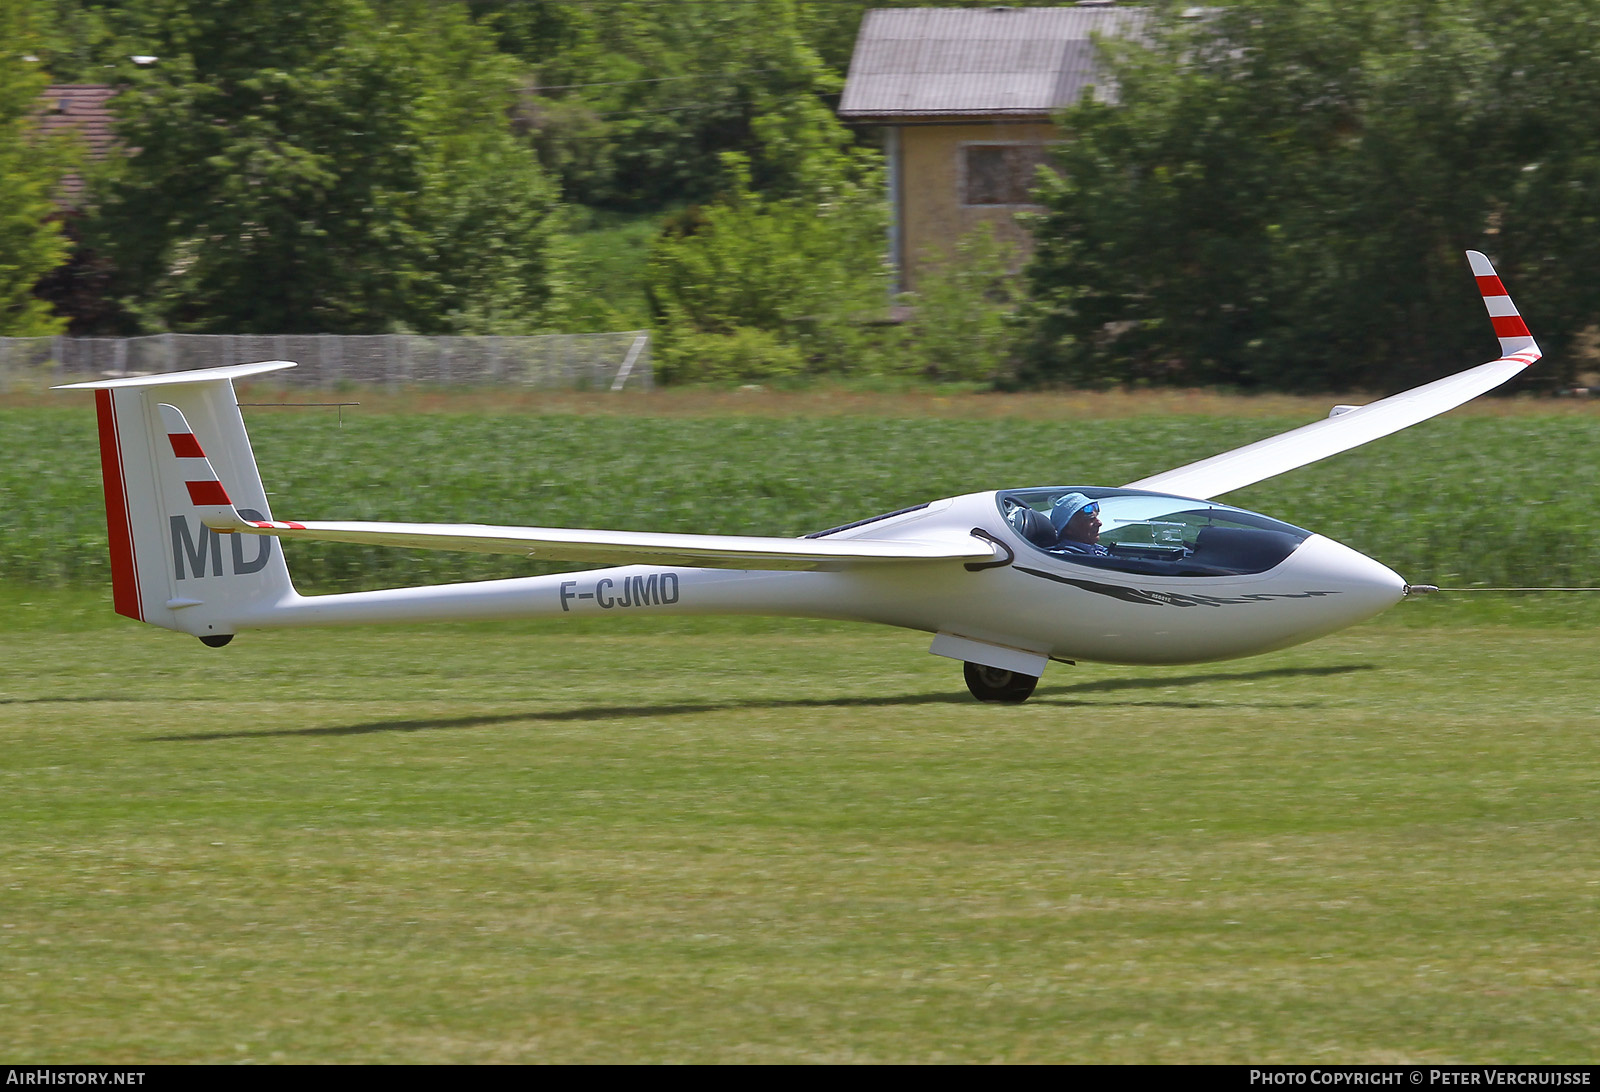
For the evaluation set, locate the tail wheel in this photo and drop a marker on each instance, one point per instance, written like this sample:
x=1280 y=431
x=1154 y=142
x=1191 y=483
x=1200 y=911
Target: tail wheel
x=998 y=684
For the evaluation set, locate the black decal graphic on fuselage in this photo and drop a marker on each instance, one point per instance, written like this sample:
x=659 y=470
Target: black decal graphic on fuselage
x=1150 y=598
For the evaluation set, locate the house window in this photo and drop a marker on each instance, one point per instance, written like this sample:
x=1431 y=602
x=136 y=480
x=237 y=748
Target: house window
x=1000 y=174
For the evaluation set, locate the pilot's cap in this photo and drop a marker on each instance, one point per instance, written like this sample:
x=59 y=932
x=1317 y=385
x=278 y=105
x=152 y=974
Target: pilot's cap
x=1065 y=508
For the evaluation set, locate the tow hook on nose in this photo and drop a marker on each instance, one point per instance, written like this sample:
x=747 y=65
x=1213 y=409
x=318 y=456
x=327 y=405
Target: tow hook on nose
x=1421 y=589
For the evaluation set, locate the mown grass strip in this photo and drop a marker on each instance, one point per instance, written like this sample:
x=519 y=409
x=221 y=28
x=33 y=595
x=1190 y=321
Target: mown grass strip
x=529 y=842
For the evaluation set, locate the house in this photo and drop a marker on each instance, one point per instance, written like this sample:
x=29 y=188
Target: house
x=81 y=108
x=966 y=97
x=80 y=289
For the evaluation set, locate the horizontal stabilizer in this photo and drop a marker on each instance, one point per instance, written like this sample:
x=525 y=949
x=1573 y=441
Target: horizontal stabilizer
x=167 y=379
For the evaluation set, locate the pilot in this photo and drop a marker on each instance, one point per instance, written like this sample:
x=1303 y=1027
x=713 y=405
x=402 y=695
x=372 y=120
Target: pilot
x=1076 y=519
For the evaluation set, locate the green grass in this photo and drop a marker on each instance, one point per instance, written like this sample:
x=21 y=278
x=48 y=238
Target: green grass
x=762 y=841
x=758 y=840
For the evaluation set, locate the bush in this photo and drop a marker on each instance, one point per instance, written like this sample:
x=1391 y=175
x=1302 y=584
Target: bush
x=804 y=271
x=962 y=329
x=744 y=355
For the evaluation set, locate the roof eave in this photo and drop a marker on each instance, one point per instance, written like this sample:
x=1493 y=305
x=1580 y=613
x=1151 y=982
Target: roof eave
x=929 y=117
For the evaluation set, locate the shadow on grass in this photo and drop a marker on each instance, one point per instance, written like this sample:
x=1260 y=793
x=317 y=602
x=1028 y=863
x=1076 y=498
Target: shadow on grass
x=1163 y=682
x=622 y=712
x=74 y=698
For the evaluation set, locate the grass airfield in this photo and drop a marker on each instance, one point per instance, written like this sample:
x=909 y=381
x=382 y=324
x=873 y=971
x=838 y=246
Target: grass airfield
x=737 y=840
x=726 y=840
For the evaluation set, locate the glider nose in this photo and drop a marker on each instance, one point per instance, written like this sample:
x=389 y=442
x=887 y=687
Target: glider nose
x=1354 y=586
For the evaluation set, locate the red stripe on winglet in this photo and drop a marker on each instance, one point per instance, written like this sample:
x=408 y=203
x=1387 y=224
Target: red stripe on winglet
x=119 y=530
x=1491 y=286
x=1510 y=326
x=185 y=445
x=207 y=493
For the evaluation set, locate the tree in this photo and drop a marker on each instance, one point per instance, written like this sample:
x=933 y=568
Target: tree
x=88 y=41
x=355 y=175
x=31 y=170
x=961 y=323
x=754 y=286
x=633 y=103
x=1283 y=191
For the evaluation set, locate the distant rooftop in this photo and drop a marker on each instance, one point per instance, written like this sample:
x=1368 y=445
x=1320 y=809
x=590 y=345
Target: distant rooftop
x=981 y=62
x=80 y=107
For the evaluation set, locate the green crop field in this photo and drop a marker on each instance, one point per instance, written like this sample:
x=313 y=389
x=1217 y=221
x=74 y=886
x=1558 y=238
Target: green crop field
x=1488 y=498
x=751 y=840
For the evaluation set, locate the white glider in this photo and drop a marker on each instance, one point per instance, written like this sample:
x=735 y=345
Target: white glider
x=1006 y=580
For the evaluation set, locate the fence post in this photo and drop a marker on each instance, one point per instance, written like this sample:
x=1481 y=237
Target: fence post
x=639 y=342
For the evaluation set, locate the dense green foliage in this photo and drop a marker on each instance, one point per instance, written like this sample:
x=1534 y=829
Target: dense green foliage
x=353 y=176
x=960 y=325
x=633 y=103
x=1283 y=193
x=1278 y=198
x=31 y=172
x=756 y=287
x=92 y=41
x=368 y=172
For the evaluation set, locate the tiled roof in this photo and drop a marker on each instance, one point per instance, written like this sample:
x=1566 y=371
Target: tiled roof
x=80 y=107
x=947 y=62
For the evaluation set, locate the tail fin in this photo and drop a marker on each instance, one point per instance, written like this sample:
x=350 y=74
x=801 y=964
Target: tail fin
x=160 y=438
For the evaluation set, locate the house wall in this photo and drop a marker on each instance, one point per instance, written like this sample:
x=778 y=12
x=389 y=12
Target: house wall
x=930 y=184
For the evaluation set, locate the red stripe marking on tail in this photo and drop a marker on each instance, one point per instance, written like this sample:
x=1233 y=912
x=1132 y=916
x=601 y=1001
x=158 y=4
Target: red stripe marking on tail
x=119 y=529
x=1491 y=286
x=207 y=493
x=1510 y=326
x=185 y=445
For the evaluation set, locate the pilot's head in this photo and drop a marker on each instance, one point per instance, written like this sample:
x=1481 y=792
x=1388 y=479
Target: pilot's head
x=1076 y=518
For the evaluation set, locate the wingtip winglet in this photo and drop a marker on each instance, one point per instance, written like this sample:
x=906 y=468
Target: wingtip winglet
x=1516 y=342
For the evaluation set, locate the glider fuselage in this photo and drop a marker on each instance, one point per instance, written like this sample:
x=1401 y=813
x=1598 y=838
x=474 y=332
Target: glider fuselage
x=1178 y=609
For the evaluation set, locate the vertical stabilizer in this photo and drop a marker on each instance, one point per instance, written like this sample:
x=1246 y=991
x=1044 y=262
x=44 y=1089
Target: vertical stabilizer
x=173 y=447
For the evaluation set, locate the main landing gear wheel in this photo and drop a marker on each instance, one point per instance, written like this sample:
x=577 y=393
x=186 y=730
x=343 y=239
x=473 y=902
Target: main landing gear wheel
x=998 y=684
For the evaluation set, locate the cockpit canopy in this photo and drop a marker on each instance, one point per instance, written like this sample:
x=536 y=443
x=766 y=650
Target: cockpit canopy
x=1156 y=534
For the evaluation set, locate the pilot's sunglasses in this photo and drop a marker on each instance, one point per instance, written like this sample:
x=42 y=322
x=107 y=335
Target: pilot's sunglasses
x=1090 y=509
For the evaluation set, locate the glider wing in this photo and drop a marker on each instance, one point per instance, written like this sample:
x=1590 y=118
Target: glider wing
x=1277 y=454
x=629 y=547
x=209 y=498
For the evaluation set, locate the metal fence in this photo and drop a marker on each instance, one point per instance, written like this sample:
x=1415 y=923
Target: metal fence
x=552 y=361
